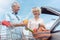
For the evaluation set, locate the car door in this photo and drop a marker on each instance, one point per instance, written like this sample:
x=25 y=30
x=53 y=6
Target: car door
x=56 y=31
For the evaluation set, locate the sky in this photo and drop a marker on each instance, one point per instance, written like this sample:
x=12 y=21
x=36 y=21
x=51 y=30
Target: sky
x=26 y=6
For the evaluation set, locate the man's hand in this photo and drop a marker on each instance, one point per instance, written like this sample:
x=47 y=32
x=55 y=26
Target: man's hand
x=6 y=23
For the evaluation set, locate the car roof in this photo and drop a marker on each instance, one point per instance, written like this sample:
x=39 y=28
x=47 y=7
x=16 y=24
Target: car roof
x=50 y=11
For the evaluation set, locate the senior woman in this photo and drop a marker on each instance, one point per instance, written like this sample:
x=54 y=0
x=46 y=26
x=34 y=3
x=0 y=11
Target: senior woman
x=37 y=23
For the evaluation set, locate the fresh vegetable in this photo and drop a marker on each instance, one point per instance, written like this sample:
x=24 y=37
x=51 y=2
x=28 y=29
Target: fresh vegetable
x=35 y=30
x=29 y=29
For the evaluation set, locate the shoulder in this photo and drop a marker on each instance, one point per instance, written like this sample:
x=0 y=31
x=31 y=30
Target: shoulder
x=41 y=21
x=8 y=13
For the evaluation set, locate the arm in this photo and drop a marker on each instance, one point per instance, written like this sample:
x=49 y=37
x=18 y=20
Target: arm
x=43 y=29
x=16 y=25
x=23 y=23
x=43 y=26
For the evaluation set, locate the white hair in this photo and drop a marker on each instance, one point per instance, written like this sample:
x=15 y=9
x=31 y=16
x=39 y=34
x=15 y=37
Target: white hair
x=14 y=4
x=36 y=8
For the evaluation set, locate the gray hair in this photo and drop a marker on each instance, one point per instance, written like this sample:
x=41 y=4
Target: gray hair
x=14 y=4
x=36 y=8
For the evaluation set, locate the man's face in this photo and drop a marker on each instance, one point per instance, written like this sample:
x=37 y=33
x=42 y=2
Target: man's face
x=16 y=8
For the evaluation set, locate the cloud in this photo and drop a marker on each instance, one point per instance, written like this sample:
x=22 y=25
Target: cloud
x=5 y=3
x=2 y=10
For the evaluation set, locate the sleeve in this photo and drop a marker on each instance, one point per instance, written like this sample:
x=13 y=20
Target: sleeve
x=7 y=17
x=42 y=22
x=29 y=24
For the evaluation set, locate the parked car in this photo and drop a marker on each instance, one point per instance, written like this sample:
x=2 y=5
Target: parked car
x=53 y=21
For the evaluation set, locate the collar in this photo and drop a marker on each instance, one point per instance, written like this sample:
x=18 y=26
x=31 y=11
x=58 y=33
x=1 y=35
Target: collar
x=15 y=13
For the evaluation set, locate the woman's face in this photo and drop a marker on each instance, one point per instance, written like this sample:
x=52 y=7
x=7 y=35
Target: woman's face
x=36 y=12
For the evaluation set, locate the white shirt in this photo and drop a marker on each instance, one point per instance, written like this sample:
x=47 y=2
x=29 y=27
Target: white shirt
x=34 y=24
x=16 y=32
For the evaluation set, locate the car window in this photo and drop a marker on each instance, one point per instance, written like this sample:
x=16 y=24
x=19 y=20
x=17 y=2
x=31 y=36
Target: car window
x=49 y=20
x=57 y=27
